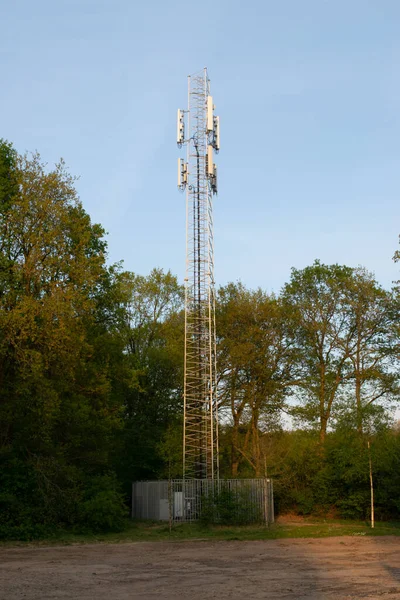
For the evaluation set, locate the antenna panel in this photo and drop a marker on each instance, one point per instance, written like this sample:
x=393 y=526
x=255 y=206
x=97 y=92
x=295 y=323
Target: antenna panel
x=182 y=173
x=210 y=112
x=215 y=180
x=216 y=133
x=210 y=170
x=180 y=133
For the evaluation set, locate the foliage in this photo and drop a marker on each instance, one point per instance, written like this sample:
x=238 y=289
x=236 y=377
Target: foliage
x=256 y=366
x=336 y=481
x=153 y=341
x=229 y=507
x=91 y=375
x=58 y=409
x=102 y=508
x=171 y=450
x=342 y=321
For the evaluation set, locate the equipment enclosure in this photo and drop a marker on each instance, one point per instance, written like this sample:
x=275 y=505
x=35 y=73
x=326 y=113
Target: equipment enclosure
x=230 y=501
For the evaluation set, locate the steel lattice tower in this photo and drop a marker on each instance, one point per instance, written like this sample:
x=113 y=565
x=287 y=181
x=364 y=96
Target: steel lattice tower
x=198 y=130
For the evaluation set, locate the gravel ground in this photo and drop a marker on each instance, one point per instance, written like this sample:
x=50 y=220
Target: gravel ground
x=340 y=568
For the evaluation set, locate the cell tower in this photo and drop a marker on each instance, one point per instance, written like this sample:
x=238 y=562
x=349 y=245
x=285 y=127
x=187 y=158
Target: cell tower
x=198 y=130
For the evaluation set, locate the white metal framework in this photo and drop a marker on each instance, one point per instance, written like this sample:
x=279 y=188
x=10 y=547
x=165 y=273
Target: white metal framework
x=198 y=129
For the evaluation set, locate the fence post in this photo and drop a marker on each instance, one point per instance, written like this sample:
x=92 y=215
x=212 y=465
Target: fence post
x=266 y=515
x=271 y=495
x=170 y=504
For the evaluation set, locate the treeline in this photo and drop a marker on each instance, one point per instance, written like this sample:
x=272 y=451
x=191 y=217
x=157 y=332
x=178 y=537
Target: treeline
x=91 y=372
x=89 y=360
x=324 y=351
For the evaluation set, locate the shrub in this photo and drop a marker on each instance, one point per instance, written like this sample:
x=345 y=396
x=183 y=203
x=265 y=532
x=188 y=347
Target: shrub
x=227 y=507
x=103 y=512
x=103 y=507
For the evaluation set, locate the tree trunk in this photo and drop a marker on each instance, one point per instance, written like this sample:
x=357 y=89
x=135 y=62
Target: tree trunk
x=359 y=405
x=256 y=443
x=234 y=446
x=322 y=414
x=323 y=427
x=357 y=372
x=235 y=464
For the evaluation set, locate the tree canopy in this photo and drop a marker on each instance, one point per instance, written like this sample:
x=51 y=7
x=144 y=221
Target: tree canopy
x=91 y=372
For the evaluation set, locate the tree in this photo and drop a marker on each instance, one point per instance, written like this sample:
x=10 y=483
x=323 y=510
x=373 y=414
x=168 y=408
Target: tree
x=153 y=339
x=315 y=299
x=255 y=364
x=372 y=314
x=58 y=412
x=8 y=175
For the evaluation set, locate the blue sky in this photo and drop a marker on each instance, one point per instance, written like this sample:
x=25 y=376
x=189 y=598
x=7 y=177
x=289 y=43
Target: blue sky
x=308 y=96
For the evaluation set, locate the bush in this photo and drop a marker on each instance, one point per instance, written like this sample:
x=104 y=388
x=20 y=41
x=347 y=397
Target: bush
x=16 y=522
x=103 y=512
x=103 y=508
x=304 y=501
x=37 y=500
x=354 y=506
x=229 y=508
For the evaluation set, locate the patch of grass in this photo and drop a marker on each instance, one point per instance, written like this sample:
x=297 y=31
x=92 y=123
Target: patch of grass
x=155 y=531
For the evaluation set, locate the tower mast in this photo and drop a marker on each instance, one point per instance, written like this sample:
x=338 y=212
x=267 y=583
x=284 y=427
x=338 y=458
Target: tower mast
x=198 y=130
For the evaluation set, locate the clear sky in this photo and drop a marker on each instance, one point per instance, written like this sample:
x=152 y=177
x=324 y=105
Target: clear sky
x=308 y=96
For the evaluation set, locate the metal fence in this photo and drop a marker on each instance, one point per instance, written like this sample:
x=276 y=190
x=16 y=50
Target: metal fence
x=228 y=501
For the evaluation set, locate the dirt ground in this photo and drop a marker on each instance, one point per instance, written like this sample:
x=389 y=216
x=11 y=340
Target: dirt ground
x=340 y=568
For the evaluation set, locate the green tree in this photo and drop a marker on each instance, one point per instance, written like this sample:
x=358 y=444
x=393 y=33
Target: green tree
x=316 y=301
x=58 y=414
x=372 y=316
x=8 y=175
x=256 y=367
x=153 y=338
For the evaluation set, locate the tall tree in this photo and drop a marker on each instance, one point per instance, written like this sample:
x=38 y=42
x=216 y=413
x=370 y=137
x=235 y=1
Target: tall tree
x=8 y=174
x=57 y=412
x=316 y=300
x=255 y=363
x=372 y=315
x=153 y=334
